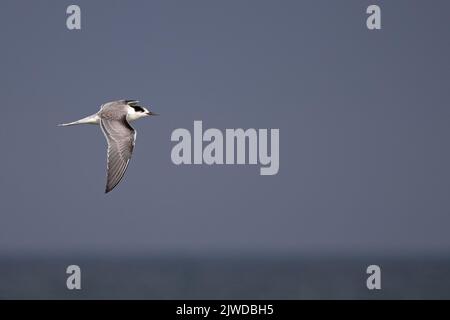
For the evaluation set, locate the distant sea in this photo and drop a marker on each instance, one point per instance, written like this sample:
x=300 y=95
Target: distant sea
x=223 y=277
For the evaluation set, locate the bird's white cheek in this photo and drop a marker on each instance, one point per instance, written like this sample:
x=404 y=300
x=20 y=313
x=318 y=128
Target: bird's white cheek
x=133 y=116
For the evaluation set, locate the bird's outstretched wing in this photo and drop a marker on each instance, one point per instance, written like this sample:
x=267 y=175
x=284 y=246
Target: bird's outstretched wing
x=121 y=138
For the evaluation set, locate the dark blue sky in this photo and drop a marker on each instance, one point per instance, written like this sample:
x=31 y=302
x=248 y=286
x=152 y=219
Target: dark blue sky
x=363 y=118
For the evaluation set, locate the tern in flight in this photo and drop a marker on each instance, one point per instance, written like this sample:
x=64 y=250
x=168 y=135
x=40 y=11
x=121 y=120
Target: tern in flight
x=114 y=119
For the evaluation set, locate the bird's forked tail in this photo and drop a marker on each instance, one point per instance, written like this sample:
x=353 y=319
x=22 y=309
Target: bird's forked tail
x=93 y=119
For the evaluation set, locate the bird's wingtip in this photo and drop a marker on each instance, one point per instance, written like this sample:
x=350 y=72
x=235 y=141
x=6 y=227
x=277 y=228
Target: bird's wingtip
x=108 y=189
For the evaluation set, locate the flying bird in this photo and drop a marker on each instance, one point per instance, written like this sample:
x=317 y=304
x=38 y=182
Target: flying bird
x=114 y=119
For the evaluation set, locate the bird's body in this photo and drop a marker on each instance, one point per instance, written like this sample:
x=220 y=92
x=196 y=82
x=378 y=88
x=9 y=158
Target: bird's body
x=114 y=118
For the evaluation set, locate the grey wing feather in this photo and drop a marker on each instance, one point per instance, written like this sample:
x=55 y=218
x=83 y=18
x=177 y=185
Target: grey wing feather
x=121 y=138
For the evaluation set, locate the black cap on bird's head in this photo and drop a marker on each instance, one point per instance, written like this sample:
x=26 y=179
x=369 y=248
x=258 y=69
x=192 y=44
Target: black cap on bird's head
x=134 y=104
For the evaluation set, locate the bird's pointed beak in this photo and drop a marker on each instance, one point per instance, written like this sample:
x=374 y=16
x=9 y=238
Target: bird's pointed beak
x=149 y=113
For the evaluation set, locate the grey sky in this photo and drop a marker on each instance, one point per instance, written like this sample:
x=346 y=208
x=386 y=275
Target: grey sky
x=363 y=119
